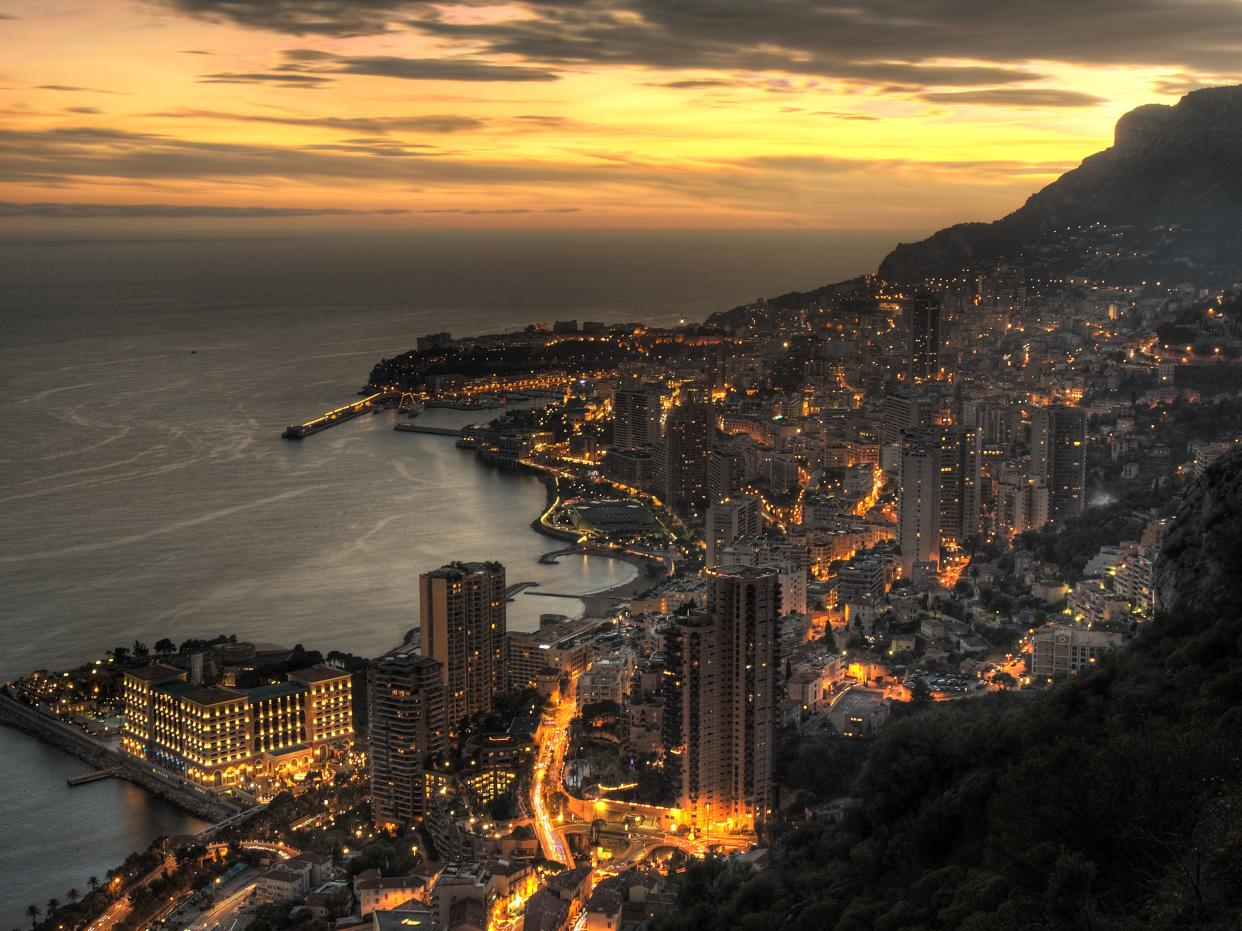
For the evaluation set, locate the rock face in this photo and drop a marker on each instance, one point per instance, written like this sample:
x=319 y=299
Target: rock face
x=1200 y=567
x=1168 y=165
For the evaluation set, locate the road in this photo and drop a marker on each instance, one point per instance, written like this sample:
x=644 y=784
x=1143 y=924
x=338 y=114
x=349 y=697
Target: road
x=119 y=910
x=553 y=738
x=226 y=913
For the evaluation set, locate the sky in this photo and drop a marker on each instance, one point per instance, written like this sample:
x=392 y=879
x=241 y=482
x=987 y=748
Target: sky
x=838 y=114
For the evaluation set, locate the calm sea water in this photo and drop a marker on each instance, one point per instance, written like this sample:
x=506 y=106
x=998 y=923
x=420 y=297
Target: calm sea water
x=144 y=490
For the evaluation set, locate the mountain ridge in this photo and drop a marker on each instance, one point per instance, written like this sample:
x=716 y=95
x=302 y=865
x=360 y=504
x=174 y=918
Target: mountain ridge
x=1171 y=165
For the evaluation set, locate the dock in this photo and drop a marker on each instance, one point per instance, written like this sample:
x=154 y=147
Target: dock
x=92 y=776
x=371 y=402
x=422 y=428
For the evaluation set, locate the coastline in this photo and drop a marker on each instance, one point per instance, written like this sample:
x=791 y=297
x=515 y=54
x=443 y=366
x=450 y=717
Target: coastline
x=69 y=740
x=600 y=603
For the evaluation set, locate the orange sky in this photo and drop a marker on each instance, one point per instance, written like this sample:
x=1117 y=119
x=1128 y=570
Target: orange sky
x=907 y=114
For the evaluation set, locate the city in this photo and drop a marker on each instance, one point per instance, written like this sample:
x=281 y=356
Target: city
x=621 y=465
x=841 y=507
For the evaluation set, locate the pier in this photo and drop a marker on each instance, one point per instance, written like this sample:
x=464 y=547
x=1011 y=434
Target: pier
x=371 y=402
x=517 y=588
x=434 y=431
x=93 y=776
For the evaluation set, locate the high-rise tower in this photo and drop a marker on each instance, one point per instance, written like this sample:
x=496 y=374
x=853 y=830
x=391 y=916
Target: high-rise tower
x=1059 y=457
x=722 y=699
x=405 y=701
x=462 y=608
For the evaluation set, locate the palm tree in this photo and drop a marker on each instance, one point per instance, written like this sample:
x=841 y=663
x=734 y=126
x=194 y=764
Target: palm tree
x=52 y=905
x=93 y=882
x=33 y=912
x=72 y=895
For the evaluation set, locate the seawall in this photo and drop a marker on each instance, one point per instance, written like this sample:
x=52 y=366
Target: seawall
x=65 y=737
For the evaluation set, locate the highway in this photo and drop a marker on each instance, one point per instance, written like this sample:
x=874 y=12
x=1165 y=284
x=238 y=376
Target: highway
x=226 y=913
x=119 y=910
x=553 y=738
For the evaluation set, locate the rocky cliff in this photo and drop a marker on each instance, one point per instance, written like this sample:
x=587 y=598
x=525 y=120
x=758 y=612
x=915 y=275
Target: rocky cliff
x=1200 y=568
x=1168 y=165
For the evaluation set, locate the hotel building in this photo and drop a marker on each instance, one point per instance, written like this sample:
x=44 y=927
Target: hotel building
x=217 y=736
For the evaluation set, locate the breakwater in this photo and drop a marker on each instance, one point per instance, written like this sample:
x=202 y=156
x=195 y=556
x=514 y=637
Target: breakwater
x=69 y=739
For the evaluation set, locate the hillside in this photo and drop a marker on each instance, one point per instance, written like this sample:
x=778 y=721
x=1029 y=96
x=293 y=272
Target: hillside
x=1169 y=166
x=1113 y=801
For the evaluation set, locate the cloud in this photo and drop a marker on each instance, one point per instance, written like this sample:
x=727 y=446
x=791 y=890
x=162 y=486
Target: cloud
x=276 y=79
x=89 y=111
x=700 y=83
x=303 y=67
x=482 y=211
x=153 y=211
x=340 y=18
x=1020 y=97
x=437 y=69
x=73 y=89
x=897 y=43
x=428 y=123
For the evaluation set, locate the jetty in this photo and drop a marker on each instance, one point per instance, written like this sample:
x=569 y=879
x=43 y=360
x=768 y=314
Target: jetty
x=517 y=588
x=372 y=402
x=423 y=428
x=94 y=776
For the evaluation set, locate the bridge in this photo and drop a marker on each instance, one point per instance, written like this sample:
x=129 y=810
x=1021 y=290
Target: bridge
x=641 y=844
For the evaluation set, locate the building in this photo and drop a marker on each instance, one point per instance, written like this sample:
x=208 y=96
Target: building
x=1059 y=458
x=1065 y=650
x=961 y=464
x=216 y=736
x=918 y=502
x=681 y=465
x=728 y=521
x=405 y=700
x=559 y=644
x=722 y=699
x=924 y=313
x=462 y=613
x=636 y=414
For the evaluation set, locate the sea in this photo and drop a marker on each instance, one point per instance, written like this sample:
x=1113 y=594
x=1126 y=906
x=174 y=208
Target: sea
x=145 y=491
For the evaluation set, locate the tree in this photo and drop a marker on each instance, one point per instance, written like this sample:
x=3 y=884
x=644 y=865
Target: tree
x=33 y=912
x=119 y=653
x=93 y=882
x=52 y=905
x=140 y=648
x=164 y=645
x=72 y=895
x=1004 y=680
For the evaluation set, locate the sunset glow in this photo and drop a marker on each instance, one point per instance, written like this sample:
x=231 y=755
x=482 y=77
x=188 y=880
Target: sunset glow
x=602 y=114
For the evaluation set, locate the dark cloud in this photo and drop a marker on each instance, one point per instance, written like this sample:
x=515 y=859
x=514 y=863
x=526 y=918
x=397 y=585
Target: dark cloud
x=700 y=84
x=274 y=79
x=304 y=67
x=73 y=89
x=153 y=211
x=302 y=17
x=481 y=211
x=88 y=111
x=429 y=123
x=437 y=69
x=890 y=43
x=1016 y=97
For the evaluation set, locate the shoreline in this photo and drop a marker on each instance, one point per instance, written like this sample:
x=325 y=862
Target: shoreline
x=600 y=603
x=69 y=740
